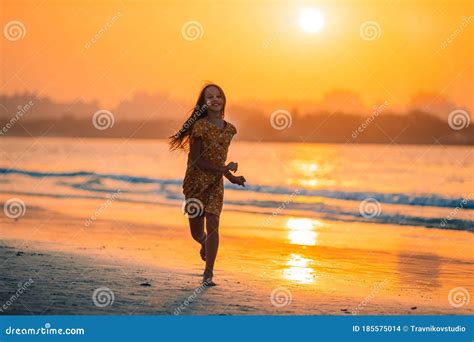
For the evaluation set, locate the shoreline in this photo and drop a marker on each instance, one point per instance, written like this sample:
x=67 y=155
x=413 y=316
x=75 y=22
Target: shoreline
x=402 y=273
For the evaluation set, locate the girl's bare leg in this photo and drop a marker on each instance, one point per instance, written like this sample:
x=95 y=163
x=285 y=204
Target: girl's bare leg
x=212 y=245
x=196 y=225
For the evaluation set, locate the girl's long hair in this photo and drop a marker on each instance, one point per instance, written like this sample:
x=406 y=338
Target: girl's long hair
x=180 y=140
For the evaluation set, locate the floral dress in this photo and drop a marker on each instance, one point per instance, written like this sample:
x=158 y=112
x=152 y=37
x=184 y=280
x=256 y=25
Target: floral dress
x=203 y=187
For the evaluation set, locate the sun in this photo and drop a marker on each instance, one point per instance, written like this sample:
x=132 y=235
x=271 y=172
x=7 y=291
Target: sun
x=311 y=20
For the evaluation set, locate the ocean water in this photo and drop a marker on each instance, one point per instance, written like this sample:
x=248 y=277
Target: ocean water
x=416 y=185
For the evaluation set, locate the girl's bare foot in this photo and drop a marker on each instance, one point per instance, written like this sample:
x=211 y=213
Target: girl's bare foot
x=207 y=279
x=208 y=282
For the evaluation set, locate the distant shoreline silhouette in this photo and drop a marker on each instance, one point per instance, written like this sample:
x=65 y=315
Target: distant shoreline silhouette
x=25 y=115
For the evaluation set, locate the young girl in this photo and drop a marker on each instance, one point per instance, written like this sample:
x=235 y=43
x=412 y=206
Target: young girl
x=208 y=137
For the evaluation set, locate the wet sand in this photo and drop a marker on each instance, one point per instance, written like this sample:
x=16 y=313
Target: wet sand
x=142 y=257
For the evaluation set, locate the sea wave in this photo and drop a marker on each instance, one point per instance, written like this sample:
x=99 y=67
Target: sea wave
x=342 y=206
x=431 y=200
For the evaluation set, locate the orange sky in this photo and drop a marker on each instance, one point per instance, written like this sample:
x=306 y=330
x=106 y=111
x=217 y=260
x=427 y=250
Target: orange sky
x=254 y=49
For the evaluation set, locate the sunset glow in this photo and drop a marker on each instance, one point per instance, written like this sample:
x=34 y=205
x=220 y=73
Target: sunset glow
x=108 y=51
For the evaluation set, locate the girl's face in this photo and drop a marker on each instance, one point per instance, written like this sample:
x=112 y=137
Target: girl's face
x=213 y=98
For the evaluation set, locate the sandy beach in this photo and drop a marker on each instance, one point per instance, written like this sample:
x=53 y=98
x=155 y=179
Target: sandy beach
x=145 y=259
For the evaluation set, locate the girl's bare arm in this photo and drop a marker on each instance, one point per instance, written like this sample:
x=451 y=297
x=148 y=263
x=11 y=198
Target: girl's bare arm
x=239 y=180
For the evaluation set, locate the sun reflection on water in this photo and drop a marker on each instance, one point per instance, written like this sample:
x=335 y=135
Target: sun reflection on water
x=298 y=269
x=311 y=173
x=301 y=231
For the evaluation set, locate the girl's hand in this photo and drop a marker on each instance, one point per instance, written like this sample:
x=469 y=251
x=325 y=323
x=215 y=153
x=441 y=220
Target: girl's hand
x=240 y=180
x=232 y=166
